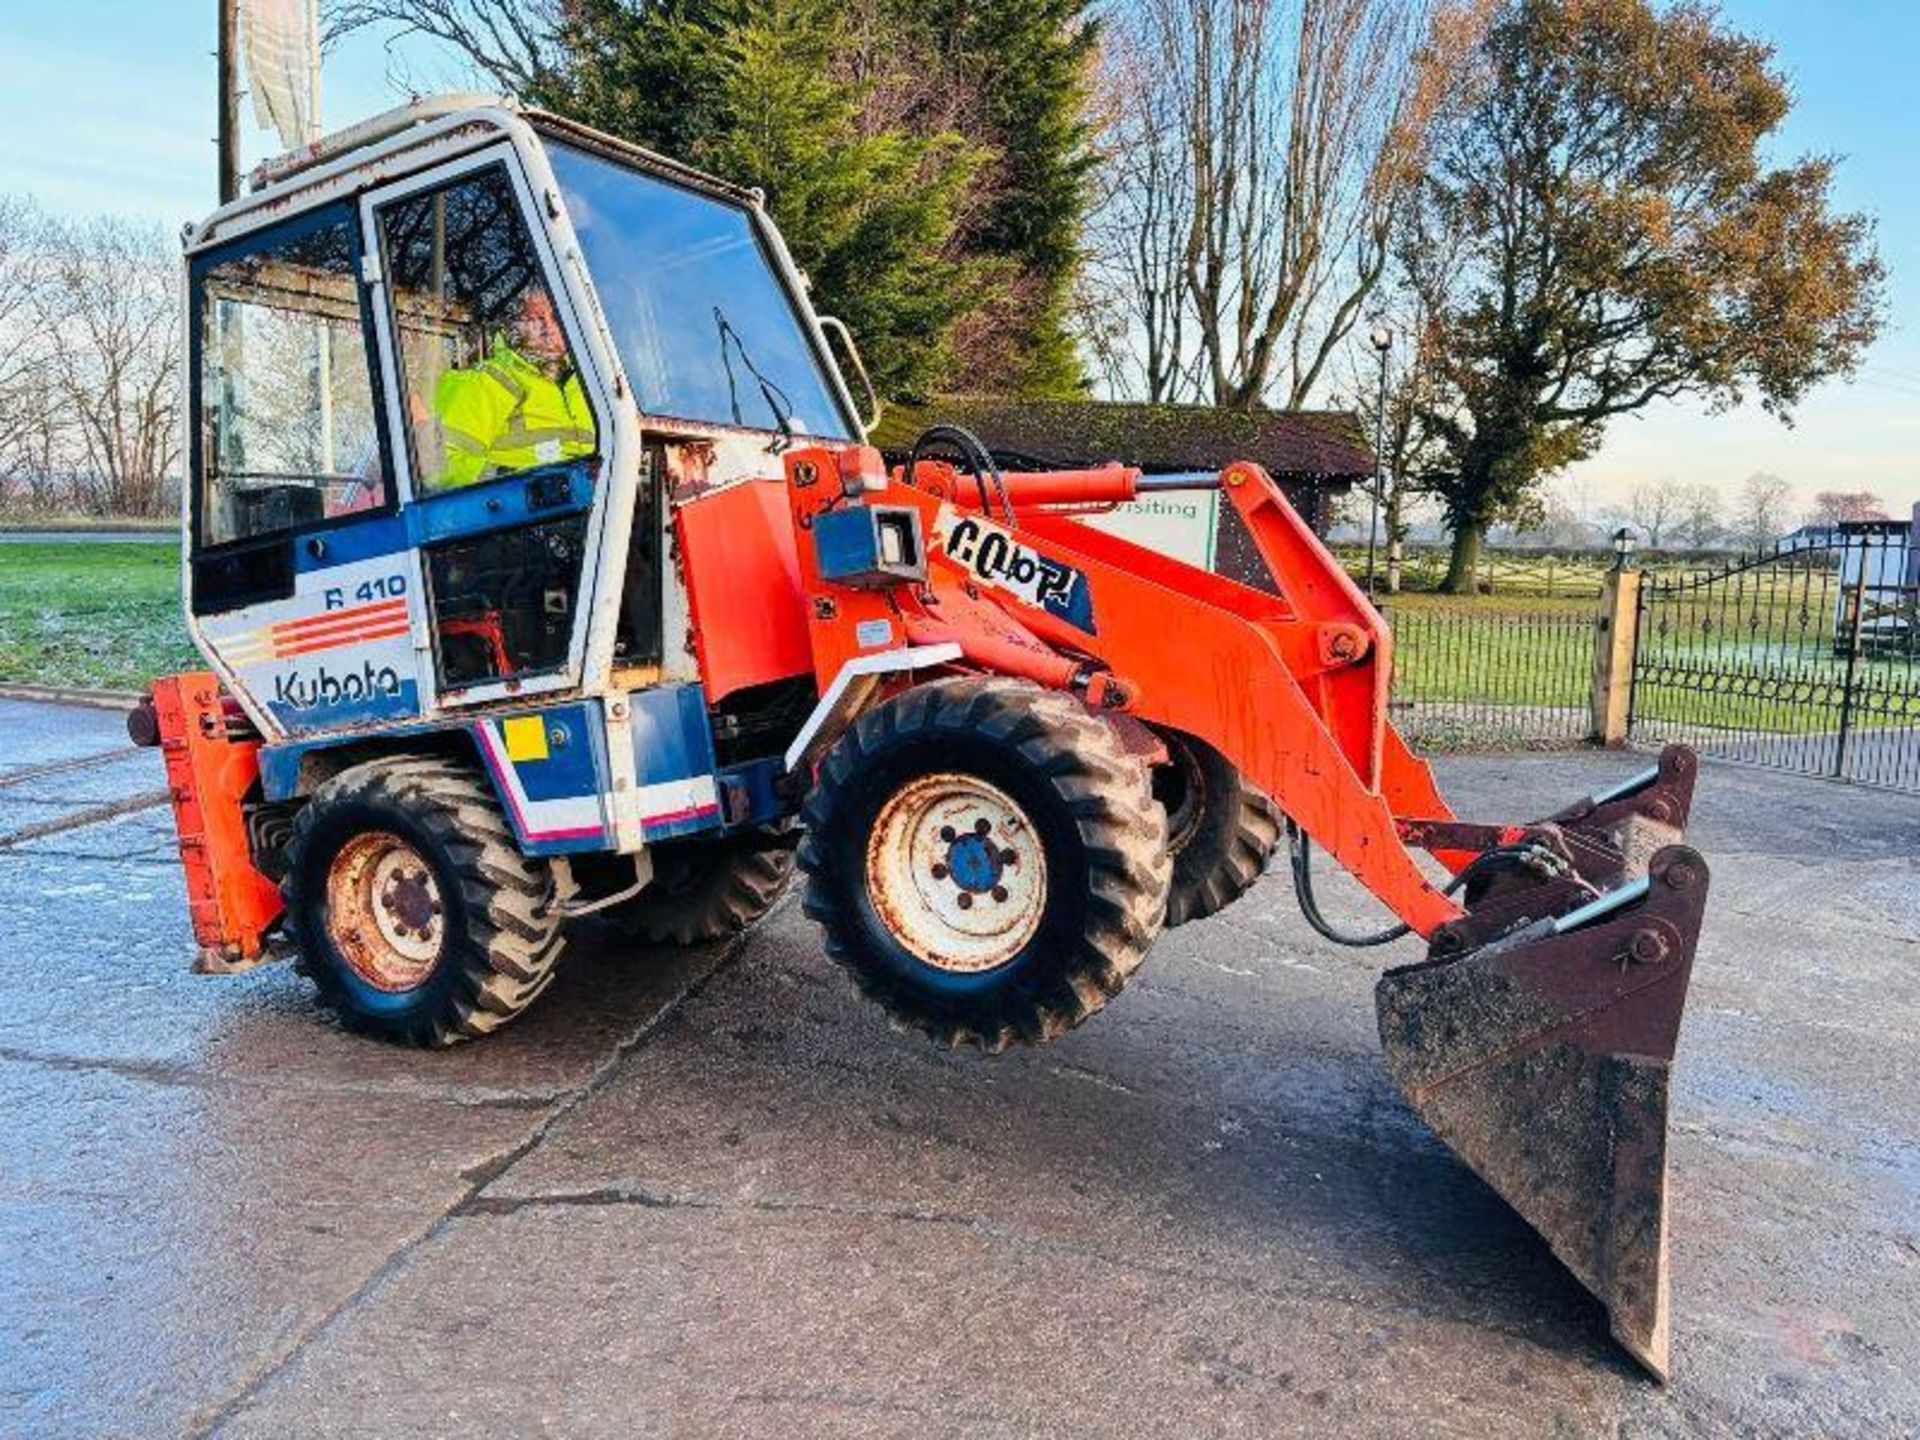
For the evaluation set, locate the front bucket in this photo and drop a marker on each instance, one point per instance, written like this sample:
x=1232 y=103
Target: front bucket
x=1542 y=1059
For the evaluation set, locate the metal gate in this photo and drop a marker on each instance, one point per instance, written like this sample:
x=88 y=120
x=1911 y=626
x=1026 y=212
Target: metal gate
x=1805 y=658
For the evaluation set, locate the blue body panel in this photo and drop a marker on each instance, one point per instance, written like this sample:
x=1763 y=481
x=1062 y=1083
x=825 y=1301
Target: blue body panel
x=497 y=504
x=555 y=802
x=673 y=760
x=556 y=797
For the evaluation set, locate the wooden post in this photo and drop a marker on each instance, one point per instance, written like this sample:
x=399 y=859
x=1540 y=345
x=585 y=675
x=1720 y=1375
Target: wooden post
x=1613 y=637
x=228 y=133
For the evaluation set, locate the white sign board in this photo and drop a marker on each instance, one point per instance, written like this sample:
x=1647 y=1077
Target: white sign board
x=1180 y=524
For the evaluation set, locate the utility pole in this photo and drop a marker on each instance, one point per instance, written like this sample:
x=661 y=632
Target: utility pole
x=1381 y=339
x=228 y=135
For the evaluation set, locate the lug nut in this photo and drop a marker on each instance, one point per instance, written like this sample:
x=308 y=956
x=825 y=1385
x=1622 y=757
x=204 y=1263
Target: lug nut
x=1000 y=892
x=983 y=827
x=966 y=900
x=946 y=834
x=939 y=871
x=1009 y=856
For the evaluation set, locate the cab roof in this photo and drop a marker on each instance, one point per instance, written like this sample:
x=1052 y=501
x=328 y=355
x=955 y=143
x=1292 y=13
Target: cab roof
x=414 y=136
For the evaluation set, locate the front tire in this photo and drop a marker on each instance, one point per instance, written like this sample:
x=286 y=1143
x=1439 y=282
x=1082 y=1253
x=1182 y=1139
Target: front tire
x=986 y=859
x=414 y=913
x=1221 y=830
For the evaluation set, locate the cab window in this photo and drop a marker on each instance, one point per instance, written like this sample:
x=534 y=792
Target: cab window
x=705 y=326
x=492 y=387
x=287 y=431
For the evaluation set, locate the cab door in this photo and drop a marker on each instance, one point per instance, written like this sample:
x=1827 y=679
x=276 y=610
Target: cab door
x=301 y=582
x=497 y=428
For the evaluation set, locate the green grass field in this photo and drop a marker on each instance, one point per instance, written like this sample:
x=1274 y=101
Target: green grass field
x=99 y=615
x=107 y=615
x=1535 y=652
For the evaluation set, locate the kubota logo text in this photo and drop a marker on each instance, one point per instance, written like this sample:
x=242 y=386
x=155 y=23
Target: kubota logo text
x=995 y=557
x=322 y=689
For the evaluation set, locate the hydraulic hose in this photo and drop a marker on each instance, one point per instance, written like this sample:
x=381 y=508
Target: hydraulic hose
x=976 y=456
x=1300 y=853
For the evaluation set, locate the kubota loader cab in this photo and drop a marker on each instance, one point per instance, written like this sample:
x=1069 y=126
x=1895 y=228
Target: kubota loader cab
x=541 y=571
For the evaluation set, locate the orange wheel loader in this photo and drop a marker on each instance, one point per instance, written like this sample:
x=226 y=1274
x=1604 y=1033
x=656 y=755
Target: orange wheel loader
x=540 y=570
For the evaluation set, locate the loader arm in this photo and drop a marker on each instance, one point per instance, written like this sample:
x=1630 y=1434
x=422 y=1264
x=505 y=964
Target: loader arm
x=1536 y=1036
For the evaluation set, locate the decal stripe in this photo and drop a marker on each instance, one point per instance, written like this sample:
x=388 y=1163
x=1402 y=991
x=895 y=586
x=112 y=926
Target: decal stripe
x=332 y=642
x=693 y=798
x=287 y=638
x=691 y=812
x=334 y=619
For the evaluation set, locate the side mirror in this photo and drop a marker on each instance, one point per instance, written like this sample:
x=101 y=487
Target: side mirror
x=833 y=325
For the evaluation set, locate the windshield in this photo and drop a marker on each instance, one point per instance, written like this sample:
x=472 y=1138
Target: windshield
x=703 y=325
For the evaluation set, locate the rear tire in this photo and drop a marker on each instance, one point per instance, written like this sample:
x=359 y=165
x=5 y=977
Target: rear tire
x=707 y=890
x=1221 y=830
x=412 y=910
x=986 y=859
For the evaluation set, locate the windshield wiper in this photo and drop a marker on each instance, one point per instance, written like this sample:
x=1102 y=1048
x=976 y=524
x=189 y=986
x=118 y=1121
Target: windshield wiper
x=782 y=407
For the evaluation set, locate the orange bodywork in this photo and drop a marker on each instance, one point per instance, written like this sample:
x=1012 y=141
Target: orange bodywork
x=742 y=573
x=209 y=774
x=1291 y=687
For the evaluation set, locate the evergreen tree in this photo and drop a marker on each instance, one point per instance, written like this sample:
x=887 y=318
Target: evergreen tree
x=761 y=93
x=1017 y=75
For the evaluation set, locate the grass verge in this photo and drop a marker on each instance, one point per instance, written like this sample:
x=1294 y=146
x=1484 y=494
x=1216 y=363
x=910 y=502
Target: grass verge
x=91 y=615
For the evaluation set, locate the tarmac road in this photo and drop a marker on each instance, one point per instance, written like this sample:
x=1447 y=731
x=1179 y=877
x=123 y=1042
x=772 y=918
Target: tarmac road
x=711 y=1193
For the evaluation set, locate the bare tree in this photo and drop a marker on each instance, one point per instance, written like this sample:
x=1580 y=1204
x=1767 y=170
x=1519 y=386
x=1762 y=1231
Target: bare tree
x=1653 y=509
x=1265 y=148
x=1134 y=312
x=1837 y=507
x=20 y=353
x=511 y=42
x=1760 y=512
x=107 y=309
x=1701 y=521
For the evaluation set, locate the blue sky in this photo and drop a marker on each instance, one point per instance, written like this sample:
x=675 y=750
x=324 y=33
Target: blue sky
x=109 y=107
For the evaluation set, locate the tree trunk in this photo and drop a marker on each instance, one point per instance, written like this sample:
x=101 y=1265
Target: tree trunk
x=1461 y=576
x=1396 y=526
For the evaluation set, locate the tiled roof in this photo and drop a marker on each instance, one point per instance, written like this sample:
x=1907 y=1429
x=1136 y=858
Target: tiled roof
x=1325 y=444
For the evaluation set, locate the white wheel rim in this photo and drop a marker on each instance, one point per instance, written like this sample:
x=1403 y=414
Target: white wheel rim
x=957 y=873
x=384 y=910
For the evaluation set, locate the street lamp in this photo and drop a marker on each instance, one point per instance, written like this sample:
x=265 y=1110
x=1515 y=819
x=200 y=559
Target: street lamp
x=1622 y=547
x=1381 y=338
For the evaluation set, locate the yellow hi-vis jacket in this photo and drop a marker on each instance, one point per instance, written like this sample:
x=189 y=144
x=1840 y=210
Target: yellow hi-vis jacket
x=507 y=414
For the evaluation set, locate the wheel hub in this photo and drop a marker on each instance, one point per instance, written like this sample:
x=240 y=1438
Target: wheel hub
x=974 y=862
x=956 y=872
x=385 y=913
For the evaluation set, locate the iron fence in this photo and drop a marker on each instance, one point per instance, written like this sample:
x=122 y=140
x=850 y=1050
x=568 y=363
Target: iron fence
x=1803 y=658
x=1470 y=675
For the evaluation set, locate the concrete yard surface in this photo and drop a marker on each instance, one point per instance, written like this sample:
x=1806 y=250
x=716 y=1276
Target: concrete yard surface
x=713 y=1193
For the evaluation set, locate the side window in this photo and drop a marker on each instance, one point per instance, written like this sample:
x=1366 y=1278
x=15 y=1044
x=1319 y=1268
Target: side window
x=287 y=429
x=492 y=388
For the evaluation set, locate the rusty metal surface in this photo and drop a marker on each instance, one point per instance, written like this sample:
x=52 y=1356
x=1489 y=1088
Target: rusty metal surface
x=1544 y=1063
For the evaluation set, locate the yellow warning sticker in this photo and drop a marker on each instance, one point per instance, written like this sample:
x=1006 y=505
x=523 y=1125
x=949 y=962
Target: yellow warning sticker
x=526 y=737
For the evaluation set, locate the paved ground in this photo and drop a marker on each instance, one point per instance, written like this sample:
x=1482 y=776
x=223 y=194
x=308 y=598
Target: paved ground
x=712 y=1193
